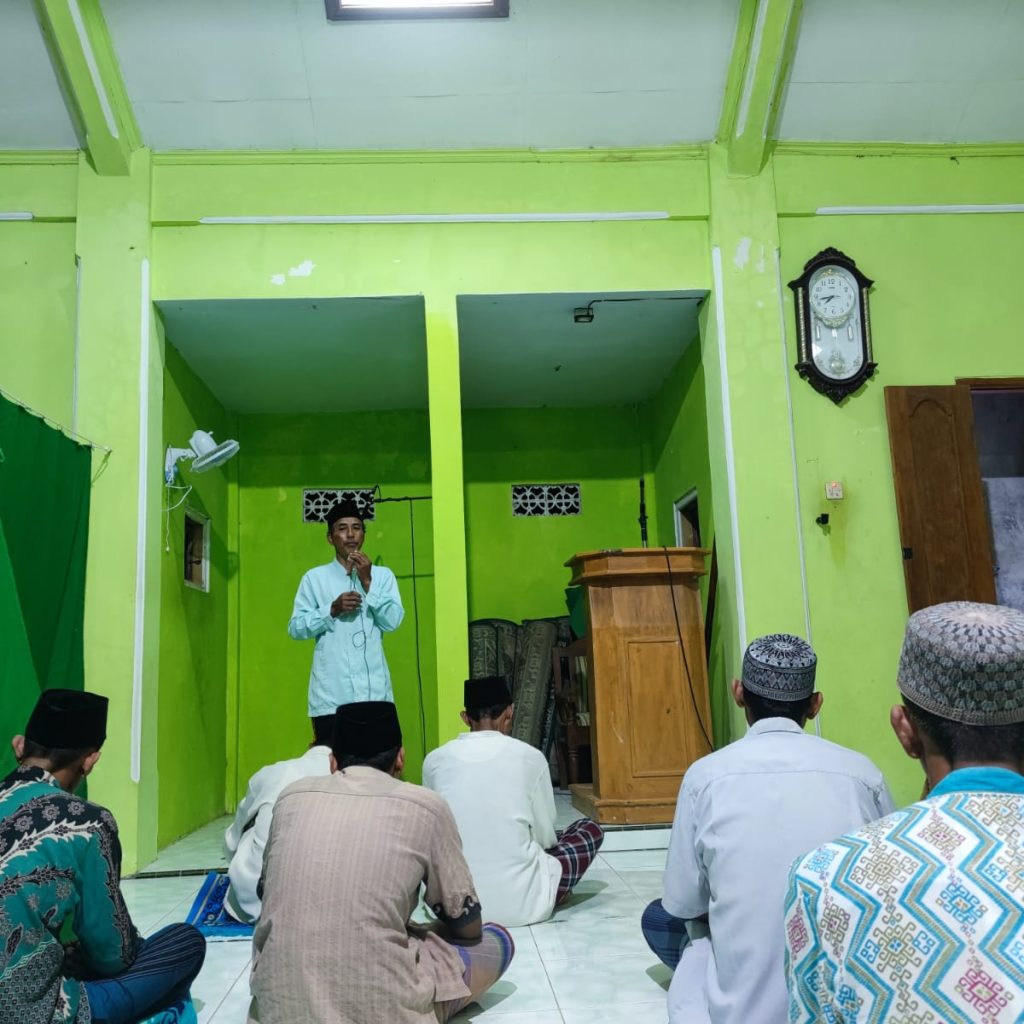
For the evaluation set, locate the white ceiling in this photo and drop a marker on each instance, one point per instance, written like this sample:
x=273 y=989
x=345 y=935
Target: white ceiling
x=32 y=111
x=275 y=74
x=912 y=71
x=527 y=351
x=304 y=355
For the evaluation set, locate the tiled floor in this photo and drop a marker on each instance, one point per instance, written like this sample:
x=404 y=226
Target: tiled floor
x=588 y=964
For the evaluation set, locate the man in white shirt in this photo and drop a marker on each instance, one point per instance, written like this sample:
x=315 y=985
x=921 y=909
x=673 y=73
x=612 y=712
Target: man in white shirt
x=346 y=606
x=246 y=837
x=744 y=814
x=499 y=790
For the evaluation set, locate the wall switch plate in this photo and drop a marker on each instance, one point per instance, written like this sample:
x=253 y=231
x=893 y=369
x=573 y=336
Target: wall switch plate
x=834 y=490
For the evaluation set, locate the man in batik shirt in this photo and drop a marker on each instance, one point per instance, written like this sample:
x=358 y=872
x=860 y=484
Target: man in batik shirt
x=919 y=917
x=60 y=870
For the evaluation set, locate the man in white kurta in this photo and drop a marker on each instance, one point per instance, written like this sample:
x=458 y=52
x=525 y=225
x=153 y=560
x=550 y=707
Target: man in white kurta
x=246 y=837
x=346 y=606
x=499 y=790
x=744 y=814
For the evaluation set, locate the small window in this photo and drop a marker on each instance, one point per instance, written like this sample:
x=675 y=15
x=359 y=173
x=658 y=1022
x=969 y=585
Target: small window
x=363 y=10
x=687 y=521
x=197 y=551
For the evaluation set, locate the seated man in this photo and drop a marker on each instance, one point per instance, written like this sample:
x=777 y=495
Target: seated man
x=60 y=869
x=499 y=790
x=745 y=812
x=342 y=874
x=919 y=916
x=246 y=837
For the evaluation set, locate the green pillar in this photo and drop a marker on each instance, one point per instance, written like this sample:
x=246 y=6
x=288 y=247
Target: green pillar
x=450 y=593
x=120 y=396
x=750 y=438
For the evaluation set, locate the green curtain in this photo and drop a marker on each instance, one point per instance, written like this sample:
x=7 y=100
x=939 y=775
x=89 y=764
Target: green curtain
x=44 y=530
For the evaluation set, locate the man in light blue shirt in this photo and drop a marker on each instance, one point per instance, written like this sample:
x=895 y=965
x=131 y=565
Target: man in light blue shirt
x=346 y=606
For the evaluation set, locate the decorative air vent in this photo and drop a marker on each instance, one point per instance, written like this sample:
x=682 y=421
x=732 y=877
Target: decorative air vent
x=545 y=499
x=317 y=501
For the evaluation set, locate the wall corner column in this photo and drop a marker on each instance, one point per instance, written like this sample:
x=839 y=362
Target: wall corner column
x=120 y=404
x=449 y=512
x=749 y=410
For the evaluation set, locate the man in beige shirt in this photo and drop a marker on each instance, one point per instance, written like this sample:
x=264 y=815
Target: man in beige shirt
x=341 y=878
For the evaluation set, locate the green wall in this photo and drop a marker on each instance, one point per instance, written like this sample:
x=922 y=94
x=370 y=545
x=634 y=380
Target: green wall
x=944 y=306
x=37 y=328
x=515 y=564
x=191 y=718
x=280 y=455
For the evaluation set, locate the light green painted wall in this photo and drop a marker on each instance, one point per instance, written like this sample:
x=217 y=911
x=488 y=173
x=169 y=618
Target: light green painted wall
x=191 y=723
x=279 y=456
x=944 y=306
x=439 y=261
x=37 y=328
x=516 y=566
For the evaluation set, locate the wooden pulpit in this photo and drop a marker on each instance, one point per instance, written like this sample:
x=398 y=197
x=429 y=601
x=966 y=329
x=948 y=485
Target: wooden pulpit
x=648 y=693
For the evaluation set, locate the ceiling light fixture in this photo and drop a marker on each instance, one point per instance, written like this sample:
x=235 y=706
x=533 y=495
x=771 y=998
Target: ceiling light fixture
x=352 y=10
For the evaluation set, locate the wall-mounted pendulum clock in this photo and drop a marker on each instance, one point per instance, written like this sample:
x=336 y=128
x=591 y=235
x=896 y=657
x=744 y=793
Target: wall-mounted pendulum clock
x=833 y=324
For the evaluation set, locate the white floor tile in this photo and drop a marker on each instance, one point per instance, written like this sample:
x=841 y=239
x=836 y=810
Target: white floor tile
x=474 y=1013
x=226 y=963
x=608 y=980
x=636 y=839
x=524 y=988
x=560 y=939
x=631 y=1013
x=202 y=850
x=633 y=860
x=235 y=1007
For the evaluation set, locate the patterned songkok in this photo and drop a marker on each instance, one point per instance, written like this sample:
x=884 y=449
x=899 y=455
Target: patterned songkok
x=965 y=662
x=780 y=667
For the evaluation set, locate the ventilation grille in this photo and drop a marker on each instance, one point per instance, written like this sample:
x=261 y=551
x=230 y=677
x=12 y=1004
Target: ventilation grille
x=317 y=501
x=545 y=499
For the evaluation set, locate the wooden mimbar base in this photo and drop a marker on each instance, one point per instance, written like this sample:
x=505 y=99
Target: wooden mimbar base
x=643 y=811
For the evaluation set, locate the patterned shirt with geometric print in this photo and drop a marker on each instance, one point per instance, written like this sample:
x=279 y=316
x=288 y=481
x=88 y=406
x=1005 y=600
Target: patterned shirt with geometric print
x=60 y=862
x=917 y=917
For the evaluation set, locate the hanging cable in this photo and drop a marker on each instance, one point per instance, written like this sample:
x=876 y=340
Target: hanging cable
x=682 y=650
x=380 y=499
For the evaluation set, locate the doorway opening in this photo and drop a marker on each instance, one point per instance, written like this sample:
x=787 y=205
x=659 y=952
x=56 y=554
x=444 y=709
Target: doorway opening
x=687 y=521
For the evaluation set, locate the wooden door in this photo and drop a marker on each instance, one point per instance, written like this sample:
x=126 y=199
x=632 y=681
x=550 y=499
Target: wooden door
x=944 y=528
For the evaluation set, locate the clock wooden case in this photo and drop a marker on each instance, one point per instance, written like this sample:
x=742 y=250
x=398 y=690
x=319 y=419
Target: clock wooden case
x=833 y=325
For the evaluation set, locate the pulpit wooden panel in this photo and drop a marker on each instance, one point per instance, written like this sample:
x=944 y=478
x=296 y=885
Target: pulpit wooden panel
x=649 y=707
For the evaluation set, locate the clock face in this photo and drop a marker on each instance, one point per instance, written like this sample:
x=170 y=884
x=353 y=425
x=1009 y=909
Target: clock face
x=832 y=294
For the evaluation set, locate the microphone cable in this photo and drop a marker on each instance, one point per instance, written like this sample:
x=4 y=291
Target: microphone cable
x=682 y=650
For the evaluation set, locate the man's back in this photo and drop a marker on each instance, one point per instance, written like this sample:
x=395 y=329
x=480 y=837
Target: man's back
x=499 y=790
x=342 y=873
x=60 y=858
x=918 y=916
x=745 y=813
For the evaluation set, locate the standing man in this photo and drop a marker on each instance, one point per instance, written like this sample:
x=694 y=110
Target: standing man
x=346 y=606
x=499 y=790
x=919 y=917
x=341 y=878
x=60 y=871
x=744 y=814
